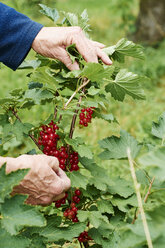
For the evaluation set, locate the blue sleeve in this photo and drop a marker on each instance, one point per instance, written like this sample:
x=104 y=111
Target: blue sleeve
x=17 y=33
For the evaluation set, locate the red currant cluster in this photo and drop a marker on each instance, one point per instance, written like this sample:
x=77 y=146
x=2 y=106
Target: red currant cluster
x=48 y=139
x=71 y=213
x=73 y=159
x=84 y=237
x=61 y=201
x=85 y=118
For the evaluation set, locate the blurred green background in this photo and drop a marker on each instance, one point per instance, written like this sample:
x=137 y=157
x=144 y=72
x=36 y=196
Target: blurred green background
x=110 y=21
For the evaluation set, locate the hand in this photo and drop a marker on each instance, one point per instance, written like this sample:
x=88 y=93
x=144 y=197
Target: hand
x=45 y=182
x=52 y=42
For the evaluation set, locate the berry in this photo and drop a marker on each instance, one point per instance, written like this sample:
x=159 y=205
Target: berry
x=63 y=201
x=77 y=192
x=76 y=199
x=72 y=205
x=71 y=214
x=75 y=219
x=74 y=209
x=58 y=204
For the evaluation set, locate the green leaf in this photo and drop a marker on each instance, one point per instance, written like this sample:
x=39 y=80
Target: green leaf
x=78 y=180
x=12 y=241
x=99 y=178
x=38 y=95
x=29 y=64
x=84 y=151
x=53 y=233
x=43 y=75
x=158 y=129
x=124 y=204
x=96 y=72
x=155 y=162
x=94 y=217
x=93 y=91
x=16 y=215
x=116 y=147
x=34 y=85
x=123 y=48
x=7 y=182
x=105 y=206
x=125 y=83
x=121 y=187
x=49 y=12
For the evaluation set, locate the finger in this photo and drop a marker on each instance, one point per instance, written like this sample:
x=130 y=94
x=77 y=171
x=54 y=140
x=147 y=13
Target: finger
x=64 y=57
x=53 y=163
x=59 y=197
x=97 y=44
x=104 y=57
x=65 y=179
x=86 y=49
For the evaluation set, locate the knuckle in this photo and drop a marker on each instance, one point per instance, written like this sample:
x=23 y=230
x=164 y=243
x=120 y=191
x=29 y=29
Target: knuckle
x=78 y=29
x=46 y=200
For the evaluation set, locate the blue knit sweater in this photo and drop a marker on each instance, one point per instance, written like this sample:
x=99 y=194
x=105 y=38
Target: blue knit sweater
x=17 y=33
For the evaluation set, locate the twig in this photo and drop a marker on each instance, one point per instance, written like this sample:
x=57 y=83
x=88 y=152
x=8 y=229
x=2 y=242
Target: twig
x=85 y=82
x=55 y=112
x=30 y=135
x=140 y=204
x=145 y=199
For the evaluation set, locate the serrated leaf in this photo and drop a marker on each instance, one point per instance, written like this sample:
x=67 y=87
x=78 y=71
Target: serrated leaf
x=94 y=217
x=116 y=147
x=38 y=95
x=29 y=64
x=125 y=83
x=12 y=241
x=7 y=182
x=93 y=91
x=94 y=233
x=121 y=187
x=16 y=215
x=105 y=206
x=99 y=178
x=124 y=204
x=84 y=151
x=123 y=48
x=49 y=12
x=155 y=162
x=158 y=129
x=96 y=72
x=53 y=233
x=43 y=75
x=34 y=85
x=78 y=180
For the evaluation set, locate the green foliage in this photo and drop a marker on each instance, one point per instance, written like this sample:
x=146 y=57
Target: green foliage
x=108 y=203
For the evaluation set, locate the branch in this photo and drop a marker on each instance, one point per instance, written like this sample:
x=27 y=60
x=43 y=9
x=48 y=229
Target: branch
x=140 y=204
x=145 y=199
x=85 y=82
x=30 y=135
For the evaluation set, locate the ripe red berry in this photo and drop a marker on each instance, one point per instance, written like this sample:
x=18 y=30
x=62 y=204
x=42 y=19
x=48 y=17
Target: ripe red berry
x=75 y=219
x=71 y=214
x=75 y=209
x=81 y=115
x=49 y=130
x=74 y=167
x=80 y=239
x=76 y=199
x=62 y=161
x=65 y=214
x=77 y=192
x=85 y=124
x=63 y=201
x=62 y=166
x=72 y=205
x=56 y=153
x=83 y=110
x=58 y=204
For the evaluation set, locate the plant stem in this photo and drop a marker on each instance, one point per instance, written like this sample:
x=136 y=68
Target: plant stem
x=30 y=135
x=140 y=204
x=85 y=82
x=145 y=199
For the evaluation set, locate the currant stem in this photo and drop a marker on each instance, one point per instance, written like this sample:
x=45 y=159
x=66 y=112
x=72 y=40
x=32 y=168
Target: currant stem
x=30 y=135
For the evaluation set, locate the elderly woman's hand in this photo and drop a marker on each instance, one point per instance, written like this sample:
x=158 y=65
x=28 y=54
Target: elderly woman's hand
x=44 y=183
x=52 y=42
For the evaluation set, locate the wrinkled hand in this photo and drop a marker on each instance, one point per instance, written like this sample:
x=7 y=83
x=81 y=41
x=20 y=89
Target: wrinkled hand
x=52 y=42
x=45 y=182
